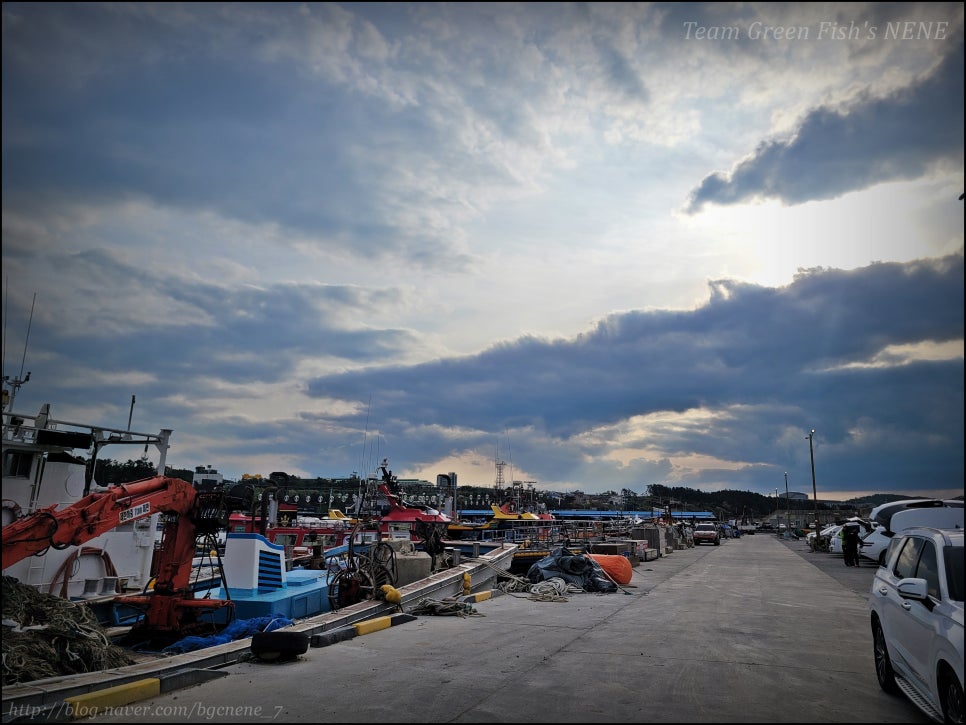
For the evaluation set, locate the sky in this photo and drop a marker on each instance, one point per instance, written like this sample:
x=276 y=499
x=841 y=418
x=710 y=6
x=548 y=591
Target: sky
x=609 y=244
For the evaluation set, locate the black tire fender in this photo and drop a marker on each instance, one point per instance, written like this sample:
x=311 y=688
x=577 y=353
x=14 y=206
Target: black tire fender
x=279 y=645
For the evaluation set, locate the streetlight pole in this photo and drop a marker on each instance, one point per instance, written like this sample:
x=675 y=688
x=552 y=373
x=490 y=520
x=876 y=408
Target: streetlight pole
x=811 y=454
x=778 y=512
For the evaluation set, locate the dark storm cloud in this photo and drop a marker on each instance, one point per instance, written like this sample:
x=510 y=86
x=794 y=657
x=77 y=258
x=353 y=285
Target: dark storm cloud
x=838 y=150
x=793 y=357
x=207 y=109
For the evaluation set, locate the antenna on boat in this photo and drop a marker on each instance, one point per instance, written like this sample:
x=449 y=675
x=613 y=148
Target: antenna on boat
x=15 y=384
x=365 y=438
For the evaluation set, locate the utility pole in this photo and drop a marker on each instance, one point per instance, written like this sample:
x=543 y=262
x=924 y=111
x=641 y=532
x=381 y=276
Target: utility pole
x=788 y=514
x=811 y=454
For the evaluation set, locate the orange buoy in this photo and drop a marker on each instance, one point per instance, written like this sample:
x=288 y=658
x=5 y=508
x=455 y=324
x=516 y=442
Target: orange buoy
x=617 y=567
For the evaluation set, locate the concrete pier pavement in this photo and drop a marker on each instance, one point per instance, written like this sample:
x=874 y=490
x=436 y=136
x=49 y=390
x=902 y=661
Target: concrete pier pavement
x=749 y=631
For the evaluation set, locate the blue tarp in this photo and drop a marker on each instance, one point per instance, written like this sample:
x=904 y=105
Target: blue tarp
x=238 y=629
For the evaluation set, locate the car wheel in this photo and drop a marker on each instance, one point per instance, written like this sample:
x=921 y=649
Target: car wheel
x=717 y=542
x=951 y=694
x=883 y=665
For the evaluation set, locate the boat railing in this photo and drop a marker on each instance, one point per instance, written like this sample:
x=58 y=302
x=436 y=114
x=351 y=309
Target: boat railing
x=42 y=430
x=21 y=428
x=315 y=523
x=552 y=532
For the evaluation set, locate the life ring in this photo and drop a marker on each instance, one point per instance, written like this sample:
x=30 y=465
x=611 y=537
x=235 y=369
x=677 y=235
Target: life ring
x=14 y=508
x=68 y=568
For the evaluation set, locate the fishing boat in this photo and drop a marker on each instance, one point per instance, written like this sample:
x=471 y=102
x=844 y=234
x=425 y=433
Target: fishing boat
x=297 y=534
x=397 y=517
x=261 y=583
x=504 y=520
x=254 y=573
x=380 y=513
x=42 y=468
x=515 y=518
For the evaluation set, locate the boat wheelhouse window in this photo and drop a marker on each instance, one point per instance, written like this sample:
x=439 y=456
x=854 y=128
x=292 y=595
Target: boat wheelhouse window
x=284 y=539
x=17 y=464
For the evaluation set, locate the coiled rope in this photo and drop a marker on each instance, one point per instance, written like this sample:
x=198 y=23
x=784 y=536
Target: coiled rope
x=514 y=585
x=444 y=607
x=553 y=589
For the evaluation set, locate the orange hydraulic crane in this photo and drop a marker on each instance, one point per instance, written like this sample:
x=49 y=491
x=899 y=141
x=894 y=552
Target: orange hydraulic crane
x=171 y=610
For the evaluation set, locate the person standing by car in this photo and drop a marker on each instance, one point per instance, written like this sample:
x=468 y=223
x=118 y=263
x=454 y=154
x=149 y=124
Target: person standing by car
x=850 y=543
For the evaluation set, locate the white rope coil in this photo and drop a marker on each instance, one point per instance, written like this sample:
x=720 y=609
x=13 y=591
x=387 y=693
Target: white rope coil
x=551 y=590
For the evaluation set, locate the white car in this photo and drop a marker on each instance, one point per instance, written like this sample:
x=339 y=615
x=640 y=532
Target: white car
x=835 y=538
x=930 y=512
x=836 y=545
x=916 y=611
x=875 y=543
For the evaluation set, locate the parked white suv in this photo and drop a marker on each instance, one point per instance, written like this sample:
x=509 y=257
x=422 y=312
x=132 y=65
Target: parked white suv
x=899 y=515
x=916 y=610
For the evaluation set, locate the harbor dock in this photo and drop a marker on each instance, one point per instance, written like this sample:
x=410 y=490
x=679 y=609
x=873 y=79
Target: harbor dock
x=758 y=629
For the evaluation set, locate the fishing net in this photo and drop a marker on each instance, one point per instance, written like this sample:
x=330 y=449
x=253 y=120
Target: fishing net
x=46 y=636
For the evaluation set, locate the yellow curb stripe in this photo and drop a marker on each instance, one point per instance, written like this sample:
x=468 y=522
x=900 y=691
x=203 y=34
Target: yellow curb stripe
x=91 y=703
x=478 y=597
x=373 y=625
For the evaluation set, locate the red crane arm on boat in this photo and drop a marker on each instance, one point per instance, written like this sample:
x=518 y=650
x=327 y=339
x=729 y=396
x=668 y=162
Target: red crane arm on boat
x=171 y=606
x=93 y=515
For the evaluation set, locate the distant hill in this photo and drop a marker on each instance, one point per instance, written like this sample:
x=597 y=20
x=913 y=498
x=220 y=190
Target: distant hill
x=877 y=499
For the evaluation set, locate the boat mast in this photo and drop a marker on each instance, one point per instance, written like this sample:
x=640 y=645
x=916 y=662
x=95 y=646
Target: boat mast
x=16 y=383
